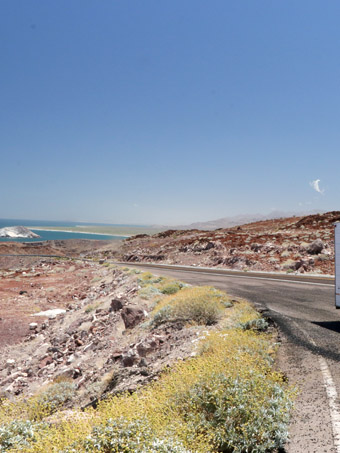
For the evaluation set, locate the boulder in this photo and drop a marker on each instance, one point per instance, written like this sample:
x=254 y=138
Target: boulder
x=146 y=347
x=117 y=304
x=315 y=247
x=132 y=316
x=129 y=359
x=255 y=247
x=301 y=265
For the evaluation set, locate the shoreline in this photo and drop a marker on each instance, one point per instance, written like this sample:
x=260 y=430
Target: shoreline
x=81 y=232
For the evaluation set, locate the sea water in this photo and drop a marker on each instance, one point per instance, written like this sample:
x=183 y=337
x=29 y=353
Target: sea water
x=52 y=235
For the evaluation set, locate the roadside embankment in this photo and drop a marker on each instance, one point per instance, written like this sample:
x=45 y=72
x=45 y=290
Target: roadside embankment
x=159 y=365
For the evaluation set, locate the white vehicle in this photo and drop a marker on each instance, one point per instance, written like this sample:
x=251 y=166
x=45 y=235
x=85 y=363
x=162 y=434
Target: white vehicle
x=337 y=264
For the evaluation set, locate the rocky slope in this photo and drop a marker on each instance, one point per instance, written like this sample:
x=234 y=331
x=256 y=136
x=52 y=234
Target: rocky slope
x=76 y=333
x=294 y=244
x=79 y=321
x=24 y=253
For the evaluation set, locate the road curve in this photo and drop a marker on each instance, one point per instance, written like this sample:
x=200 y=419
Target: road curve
x=304 y=309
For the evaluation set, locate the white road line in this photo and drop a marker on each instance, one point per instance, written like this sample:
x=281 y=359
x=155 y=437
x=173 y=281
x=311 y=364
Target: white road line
x=331 y=392
x=282 y=280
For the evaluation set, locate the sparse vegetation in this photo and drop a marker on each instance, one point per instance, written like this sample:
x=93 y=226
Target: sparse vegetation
x=19 y=434
x=171 y=287
x=224 y=398
x=258 y=324
x=51 y=399
x=198 y=305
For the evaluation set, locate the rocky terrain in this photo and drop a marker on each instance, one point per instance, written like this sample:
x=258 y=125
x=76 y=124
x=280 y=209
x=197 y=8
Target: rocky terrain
x=294 y=244
x=23 y=254
x=81 y=339
x=17 y=232
x=65 y=320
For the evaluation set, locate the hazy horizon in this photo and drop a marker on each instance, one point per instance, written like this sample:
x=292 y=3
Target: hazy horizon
x=84 y=222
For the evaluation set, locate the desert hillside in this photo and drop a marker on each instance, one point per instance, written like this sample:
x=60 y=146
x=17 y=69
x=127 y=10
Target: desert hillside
x=294 y=244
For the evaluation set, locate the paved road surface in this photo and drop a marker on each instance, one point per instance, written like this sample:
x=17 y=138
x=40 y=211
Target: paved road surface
x=310 y=350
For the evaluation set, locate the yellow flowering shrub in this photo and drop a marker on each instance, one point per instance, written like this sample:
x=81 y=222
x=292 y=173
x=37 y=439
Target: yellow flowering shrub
x=226 y=398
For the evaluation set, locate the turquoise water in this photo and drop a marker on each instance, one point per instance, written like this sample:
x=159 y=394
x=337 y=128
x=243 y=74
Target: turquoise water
x=52 y=235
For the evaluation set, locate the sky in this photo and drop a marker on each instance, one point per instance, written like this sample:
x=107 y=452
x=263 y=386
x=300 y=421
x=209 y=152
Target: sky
x=168 y=112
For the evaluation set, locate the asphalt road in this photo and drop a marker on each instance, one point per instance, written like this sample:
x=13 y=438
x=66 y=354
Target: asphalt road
x=309 y=355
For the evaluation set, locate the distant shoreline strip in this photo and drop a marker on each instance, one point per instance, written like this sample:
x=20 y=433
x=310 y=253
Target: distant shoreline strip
x=81 y=232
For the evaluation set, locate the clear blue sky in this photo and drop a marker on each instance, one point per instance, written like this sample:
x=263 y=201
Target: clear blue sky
x=168 y=111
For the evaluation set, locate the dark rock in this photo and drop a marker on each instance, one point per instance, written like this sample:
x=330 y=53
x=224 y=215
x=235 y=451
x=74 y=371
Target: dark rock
x=137 y=236
x=203 y=246
x=315 y=247
x=143 y=362
x=116 y=355
x=131 y=258
x=301 y=266
x=146 y=348
x=53 y=349
x=76 y=373
x=255 y=247
x=132 y=316
x=129 y=360
x=117 y=304
x=165 y=234
x=23 y=292
x=154 y=257
x=231 y=261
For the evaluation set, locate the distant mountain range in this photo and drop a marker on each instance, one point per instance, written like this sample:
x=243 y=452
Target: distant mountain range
x=228 y=222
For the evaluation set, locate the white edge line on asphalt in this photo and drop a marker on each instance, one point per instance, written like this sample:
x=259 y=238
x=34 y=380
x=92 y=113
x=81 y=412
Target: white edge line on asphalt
x=331 y=393
x=244 y=276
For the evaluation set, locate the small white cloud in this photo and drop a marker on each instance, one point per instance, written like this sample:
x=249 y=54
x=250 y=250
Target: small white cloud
x=316 y=187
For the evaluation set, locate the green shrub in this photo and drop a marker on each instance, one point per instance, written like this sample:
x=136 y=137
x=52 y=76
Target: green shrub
x=171 y=288
x=134 y=271
x=147 y=278
x=259 y=324
x=149 y=292
x=123 y=436
x=18 y=433
x=199 y=305
x=243 y=414
x=53 y=398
